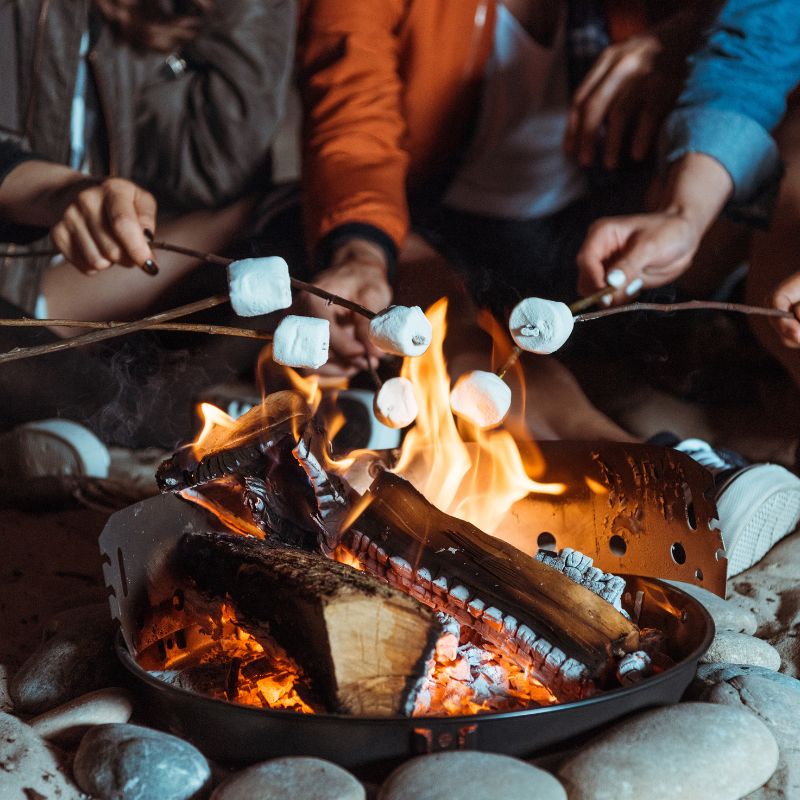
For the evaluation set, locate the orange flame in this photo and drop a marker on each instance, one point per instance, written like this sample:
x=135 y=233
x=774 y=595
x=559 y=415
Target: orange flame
x=216 y=427
x=478 y=480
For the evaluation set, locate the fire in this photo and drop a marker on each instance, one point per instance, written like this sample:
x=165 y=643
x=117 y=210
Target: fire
x=216 y=427
x=477 y=480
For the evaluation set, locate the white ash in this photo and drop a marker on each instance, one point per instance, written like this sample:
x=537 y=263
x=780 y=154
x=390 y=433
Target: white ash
x=540 y=326
x=395 y=404
x=401 y=331
x=634 y=668
x=301 y=342
x=259 y=286
x=578 y=567
x=481 y=398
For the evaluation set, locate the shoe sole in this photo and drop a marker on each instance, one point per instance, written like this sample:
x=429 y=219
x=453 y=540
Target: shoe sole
x=757 y=509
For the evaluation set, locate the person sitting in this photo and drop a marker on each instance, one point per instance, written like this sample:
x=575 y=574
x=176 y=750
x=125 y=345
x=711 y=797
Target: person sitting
x=120 y=117
x=474 y=124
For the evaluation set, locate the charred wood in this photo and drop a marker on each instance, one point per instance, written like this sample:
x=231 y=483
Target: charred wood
x=363 y=644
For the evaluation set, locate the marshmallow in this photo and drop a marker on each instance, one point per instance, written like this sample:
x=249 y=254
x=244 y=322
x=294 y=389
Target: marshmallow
x=540 y=326
x=259 y=286
x=301 y=342
x=395 y=404
x=401 y=331
x=481 y=397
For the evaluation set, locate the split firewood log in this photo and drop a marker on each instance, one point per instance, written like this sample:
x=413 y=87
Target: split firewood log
x=364 y=644
x=505 y=594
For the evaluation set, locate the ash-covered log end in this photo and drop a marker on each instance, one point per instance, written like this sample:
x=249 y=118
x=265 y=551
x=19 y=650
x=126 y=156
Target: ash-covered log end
x=364 y=644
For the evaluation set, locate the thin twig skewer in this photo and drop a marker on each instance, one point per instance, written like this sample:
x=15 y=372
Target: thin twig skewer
x=691 y=305
x=110 y=333
x=213 y=258
x=180 y=327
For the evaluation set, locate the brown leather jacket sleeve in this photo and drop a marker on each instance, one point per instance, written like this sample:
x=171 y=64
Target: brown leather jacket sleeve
x=212 y=125
x=354 y=161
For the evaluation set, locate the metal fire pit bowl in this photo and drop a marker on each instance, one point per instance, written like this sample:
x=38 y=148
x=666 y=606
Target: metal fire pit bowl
x=636 y=509
x=374 y=745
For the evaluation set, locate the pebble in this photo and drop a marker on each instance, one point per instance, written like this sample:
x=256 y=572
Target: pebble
x=709 y=675
x=694 y=751
x=306 y=778
x=78 y=658
x=65 y=725
x=129 y=762
x=477 y=776
x=775 y=700
x=727 y=616
x=30 y=768
x=739 y=648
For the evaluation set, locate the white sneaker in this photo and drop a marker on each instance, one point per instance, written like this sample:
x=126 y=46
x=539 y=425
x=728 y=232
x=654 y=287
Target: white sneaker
x=758 y=504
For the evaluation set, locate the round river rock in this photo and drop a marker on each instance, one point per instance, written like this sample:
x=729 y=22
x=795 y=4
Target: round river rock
x=65 y=725
x=307 y=778
x=694 y=751
x=727 y=616
x=739 y=648
x=78 y=658
x=29 y=767
x=129 y=762
x=478 y=776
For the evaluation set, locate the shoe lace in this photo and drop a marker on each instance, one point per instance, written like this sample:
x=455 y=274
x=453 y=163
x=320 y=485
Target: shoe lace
x=704 y=454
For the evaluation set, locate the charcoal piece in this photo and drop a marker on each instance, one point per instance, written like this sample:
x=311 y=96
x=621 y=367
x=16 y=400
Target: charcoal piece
x=363 y=644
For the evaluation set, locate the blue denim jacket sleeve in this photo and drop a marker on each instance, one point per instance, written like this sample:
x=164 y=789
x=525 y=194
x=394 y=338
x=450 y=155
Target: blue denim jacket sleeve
x=736 y=92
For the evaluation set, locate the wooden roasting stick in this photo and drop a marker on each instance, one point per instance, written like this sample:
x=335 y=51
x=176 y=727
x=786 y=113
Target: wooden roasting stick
x=111 y=333
x=111 y=330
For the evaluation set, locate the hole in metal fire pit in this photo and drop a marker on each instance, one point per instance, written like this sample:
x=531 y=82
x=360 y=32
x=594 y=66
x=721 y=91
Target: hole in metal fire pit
x=546 y=541
x=720 y=554
x=698 y=573
x=617 y=545
x=678 y=553
x=122 y=576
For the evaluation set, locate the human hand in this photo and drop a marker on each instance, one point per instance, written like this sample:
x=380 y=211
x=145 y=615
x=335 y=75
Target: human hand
x=101 y=224
x=358 y=273
x=647 y=250
x=623 y=98
x=787 y=298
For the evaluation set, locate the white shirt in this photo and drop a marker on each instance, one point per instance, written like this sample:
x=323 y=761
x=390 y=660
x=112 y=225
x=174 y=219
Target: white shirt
x=516 y=167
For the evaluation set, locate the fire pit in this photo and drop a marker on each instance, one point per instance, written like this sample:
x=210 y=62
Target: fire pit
x=139 y=539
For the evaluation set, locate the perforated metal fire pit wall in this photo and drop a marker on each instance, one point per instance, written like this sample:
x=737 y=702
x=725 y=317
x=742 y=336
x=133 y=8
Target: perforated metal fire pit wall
x=644 y=510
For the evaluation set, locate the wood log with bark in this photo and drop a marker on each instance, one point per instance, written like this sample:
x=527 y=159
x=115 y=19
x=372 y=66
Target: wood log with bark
x=364 y=644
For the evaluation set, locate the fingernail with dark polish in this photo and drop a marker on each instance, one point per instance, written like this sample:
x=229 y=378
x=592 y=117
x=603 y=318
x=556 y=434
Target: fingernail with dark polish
x=150 y=267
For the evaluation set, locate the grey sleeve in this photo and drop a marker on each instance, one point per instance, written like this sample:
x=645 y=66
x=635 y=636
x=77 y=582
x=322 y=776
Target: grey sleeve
x=210 y=126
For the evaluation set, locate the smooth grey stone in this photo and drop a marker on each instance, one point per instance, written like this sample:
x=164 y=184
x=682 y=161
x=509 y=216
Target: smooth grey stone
x=129 y=762
x=709 y=675
x=777 y=704
x=477 y=776
x=30 y=767
x=727 y=616
x=739 y=648
x=65 y=725
x=692 y=751
x=281 y=778
x=77 y=658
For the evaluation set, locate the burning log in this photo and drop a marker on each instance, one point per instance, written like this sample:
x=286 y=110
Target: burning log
x=569 y=634
x=364 y=644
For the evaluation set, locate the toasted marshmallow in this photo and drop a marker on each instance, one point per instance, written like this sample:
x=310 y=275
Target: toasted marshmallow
x=259 y=286
x=401 y=331
x=540 y=326
x=301 y=342
x=481 y=397
x=395 y=404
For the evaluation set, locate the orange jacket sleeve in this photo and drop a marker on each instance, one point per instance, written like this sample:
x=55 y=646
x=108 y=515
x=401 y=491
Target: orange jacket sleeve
x=354 y=160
